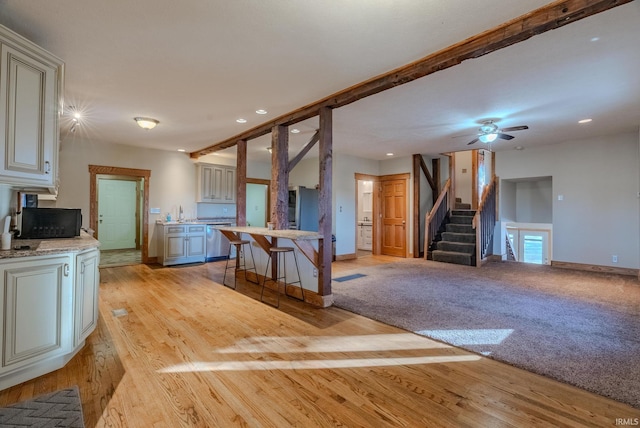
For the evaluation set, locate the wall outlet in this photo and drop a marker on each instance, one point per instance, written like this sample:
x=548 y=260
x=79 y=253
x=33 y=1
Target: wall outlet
x=315 y=272
x=614 y=259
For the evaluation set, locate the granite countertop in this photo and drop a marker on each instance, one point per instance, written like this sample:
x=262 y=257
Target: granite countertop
x=298 y=235
x=199 y=221
x=43 y=247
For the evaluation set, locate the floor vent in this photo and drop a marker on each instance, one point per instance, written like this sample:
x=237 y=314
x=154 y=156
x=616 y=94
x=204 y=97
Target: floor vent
x=119 y=312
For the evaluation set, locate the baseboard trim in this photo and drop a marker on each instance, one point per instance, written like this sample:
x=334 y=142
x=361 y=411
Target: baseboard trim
x=351 y=256
x=596 y=268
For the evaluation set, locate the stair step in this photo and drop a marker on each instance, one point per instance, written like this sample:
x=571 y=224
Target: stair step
x=463 y=212
x=459 y=237
x=451 y=257
x=461 y=206
x=460 y=228
x=460 y=219
x=459 y=247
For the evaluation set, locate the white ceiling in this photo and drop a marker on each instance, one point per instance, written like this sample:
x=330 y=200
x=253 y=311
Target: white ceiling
x=198 y=65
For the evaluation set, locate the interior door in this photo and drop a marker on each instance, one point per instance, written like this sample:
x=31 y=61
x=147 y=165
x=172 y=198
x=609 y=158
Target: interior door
x=394 y=217
x=117 y=203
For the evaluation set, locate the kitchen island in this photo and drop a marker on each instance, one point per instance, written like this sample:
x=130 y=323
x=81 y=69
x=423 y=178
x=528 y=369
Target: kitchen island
x=306 y=243
x=48 y=305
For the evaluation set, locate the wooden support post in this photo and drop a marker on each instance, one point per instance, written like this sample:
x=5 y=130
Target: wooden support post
x=325 y=209
x=435 y=168
x=241 y=182
x=416 y=205
x=280 y=177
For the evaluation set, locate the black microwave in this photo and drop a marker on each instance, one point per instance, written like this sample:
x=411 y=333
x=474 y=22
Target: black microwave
x=43 y=223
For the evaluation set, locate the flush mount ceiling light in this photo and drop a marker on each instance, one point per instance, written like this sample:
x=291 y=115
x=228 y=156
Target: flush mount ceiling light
x=146 y=122
x=261 y=111
x=241 y=120
x=295 y=131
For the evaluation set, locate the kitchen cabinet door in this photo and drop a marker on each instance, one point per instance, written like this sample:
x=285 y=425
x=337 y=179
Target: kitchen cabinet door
x=30 y=88
x=87 y=282
x=216 y=183
x=37 y=310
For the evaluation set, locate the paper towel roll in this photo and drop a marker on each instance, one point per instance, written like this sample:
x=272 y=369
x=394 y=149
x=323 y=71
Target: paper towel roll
x=6 y=241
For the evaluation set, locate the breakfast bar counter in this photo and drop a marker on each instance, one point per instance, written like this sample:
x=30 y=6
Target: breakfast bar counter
x=306 y=242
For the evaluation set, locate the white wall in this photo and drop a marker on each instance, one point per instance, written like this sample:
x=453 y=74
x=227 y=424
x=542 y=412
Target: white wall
x=463 y=179
x=172 y=182
x=598 y=179
x=534 y=201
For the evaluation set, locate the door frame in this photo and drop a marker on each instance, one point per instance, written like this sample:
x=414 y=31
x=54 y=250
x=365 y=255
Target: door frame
x=375 y=210
x=268 y=202
x=94 y=172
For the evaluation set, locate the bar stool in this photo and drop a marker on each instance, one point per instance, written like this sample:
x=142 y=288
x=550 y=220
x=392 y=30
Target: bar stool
x=239 y=265
x=277 y=251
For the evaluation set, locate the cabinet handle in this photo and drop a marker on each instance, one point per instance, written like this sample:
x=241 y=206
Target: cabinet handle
x=82 y=268
x=47 y=167
x=66 y=269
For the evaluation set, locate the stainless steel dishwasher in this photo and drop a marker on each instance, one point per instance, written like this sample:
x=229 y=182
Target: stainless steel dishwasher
x=217 y=243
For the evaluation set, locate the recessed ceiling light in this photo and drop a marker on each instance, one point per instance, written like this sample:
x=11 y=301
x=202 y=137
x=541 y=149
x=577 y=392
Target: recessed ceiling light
x=519 y=148
x=585 y=120
x=181 y=150
x=241 y=120
x=261 y=111
x=389 y=154
x=295 y=131
x=595 y=39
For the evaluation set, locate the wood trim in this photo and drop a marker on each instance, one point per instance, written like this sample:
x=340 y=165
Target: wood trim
x=435 y=168
x=94 y=171
x=538 y=21
x=474 y=179
x=350 y=256
x=596 y=268
x=304 y=151
x=415 y=215
x=241 y=182
x=325 y=206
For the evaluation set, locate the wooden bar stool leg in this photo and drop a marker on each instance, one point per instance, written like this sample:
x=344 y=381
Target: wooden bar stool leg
x=264 y=283
x=299 y=281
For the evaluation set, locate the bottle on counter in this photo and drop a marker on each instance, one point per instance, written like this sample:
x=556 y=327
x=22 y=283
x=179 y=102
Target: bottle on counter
x=168 y=217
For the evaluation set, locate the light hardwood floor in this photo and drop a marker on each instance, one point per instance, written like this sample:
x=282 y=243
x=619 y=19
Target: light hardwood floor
x=191 y=352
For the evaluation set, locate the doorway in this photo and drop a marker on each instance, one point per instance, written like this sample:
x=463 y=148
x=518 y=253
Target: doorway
x=394 y=203
x=114 y=182
x=530 y=246
x=257 y=204
x=119 y=213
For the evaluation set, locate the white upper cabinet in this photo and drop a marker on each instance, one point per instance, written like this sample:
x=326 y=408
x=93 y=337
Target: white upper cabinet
x=216 y=183
x=30 y=104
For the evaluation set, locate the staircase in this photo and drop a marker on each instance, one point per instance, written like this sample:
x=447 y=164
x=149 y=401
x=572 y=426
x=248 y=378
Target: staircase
x=457 y=242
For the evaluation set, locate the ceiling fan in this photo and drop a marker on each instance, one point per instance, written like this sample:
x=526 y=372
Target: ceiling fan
x=489 y=132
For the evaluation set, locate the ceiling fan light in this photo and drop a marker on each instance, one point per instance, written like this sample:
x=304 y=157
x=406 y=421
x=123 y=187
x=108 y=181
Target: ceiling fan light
x=488 y=138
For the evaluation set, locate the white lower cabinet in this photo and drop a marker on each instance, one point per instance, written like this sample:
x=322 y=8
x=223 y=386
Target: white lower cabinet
x=48 y=307
x=36 y=308
x=180 y=244
x=87 y=282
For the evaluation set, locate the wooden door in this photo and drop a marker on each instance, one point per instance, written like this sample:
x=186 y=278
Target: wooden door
x=394 y=217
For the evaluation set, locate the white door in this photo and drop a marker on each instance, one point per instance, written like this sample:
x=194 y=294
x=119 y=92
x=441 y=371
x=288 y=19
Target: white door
x=533 y=247
x=257 y=205
x=117 y=203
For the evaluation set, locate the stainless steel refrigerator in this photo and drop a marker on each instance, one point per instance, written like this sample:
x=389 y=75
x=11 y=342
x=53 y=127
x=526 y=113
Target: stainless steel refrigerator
x=303 y=208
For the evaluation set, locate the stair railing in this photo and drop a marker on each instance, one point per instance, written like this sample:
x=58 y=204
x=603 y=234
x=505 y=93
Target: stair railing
x=511 y=254
x=484 y=222
x=435 y=217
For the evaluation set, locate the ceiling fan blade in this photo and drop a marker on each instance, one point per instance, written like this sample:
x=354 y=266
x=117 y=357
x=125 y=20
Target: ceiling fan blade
x=473 y=141
x=505 y=136
x=515 y=128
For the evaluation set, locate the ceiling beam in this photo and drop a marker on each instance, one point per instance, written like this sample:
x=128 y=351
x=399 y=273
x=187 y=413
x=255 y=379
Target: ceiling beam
x=304 y=151
x=546 y=18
